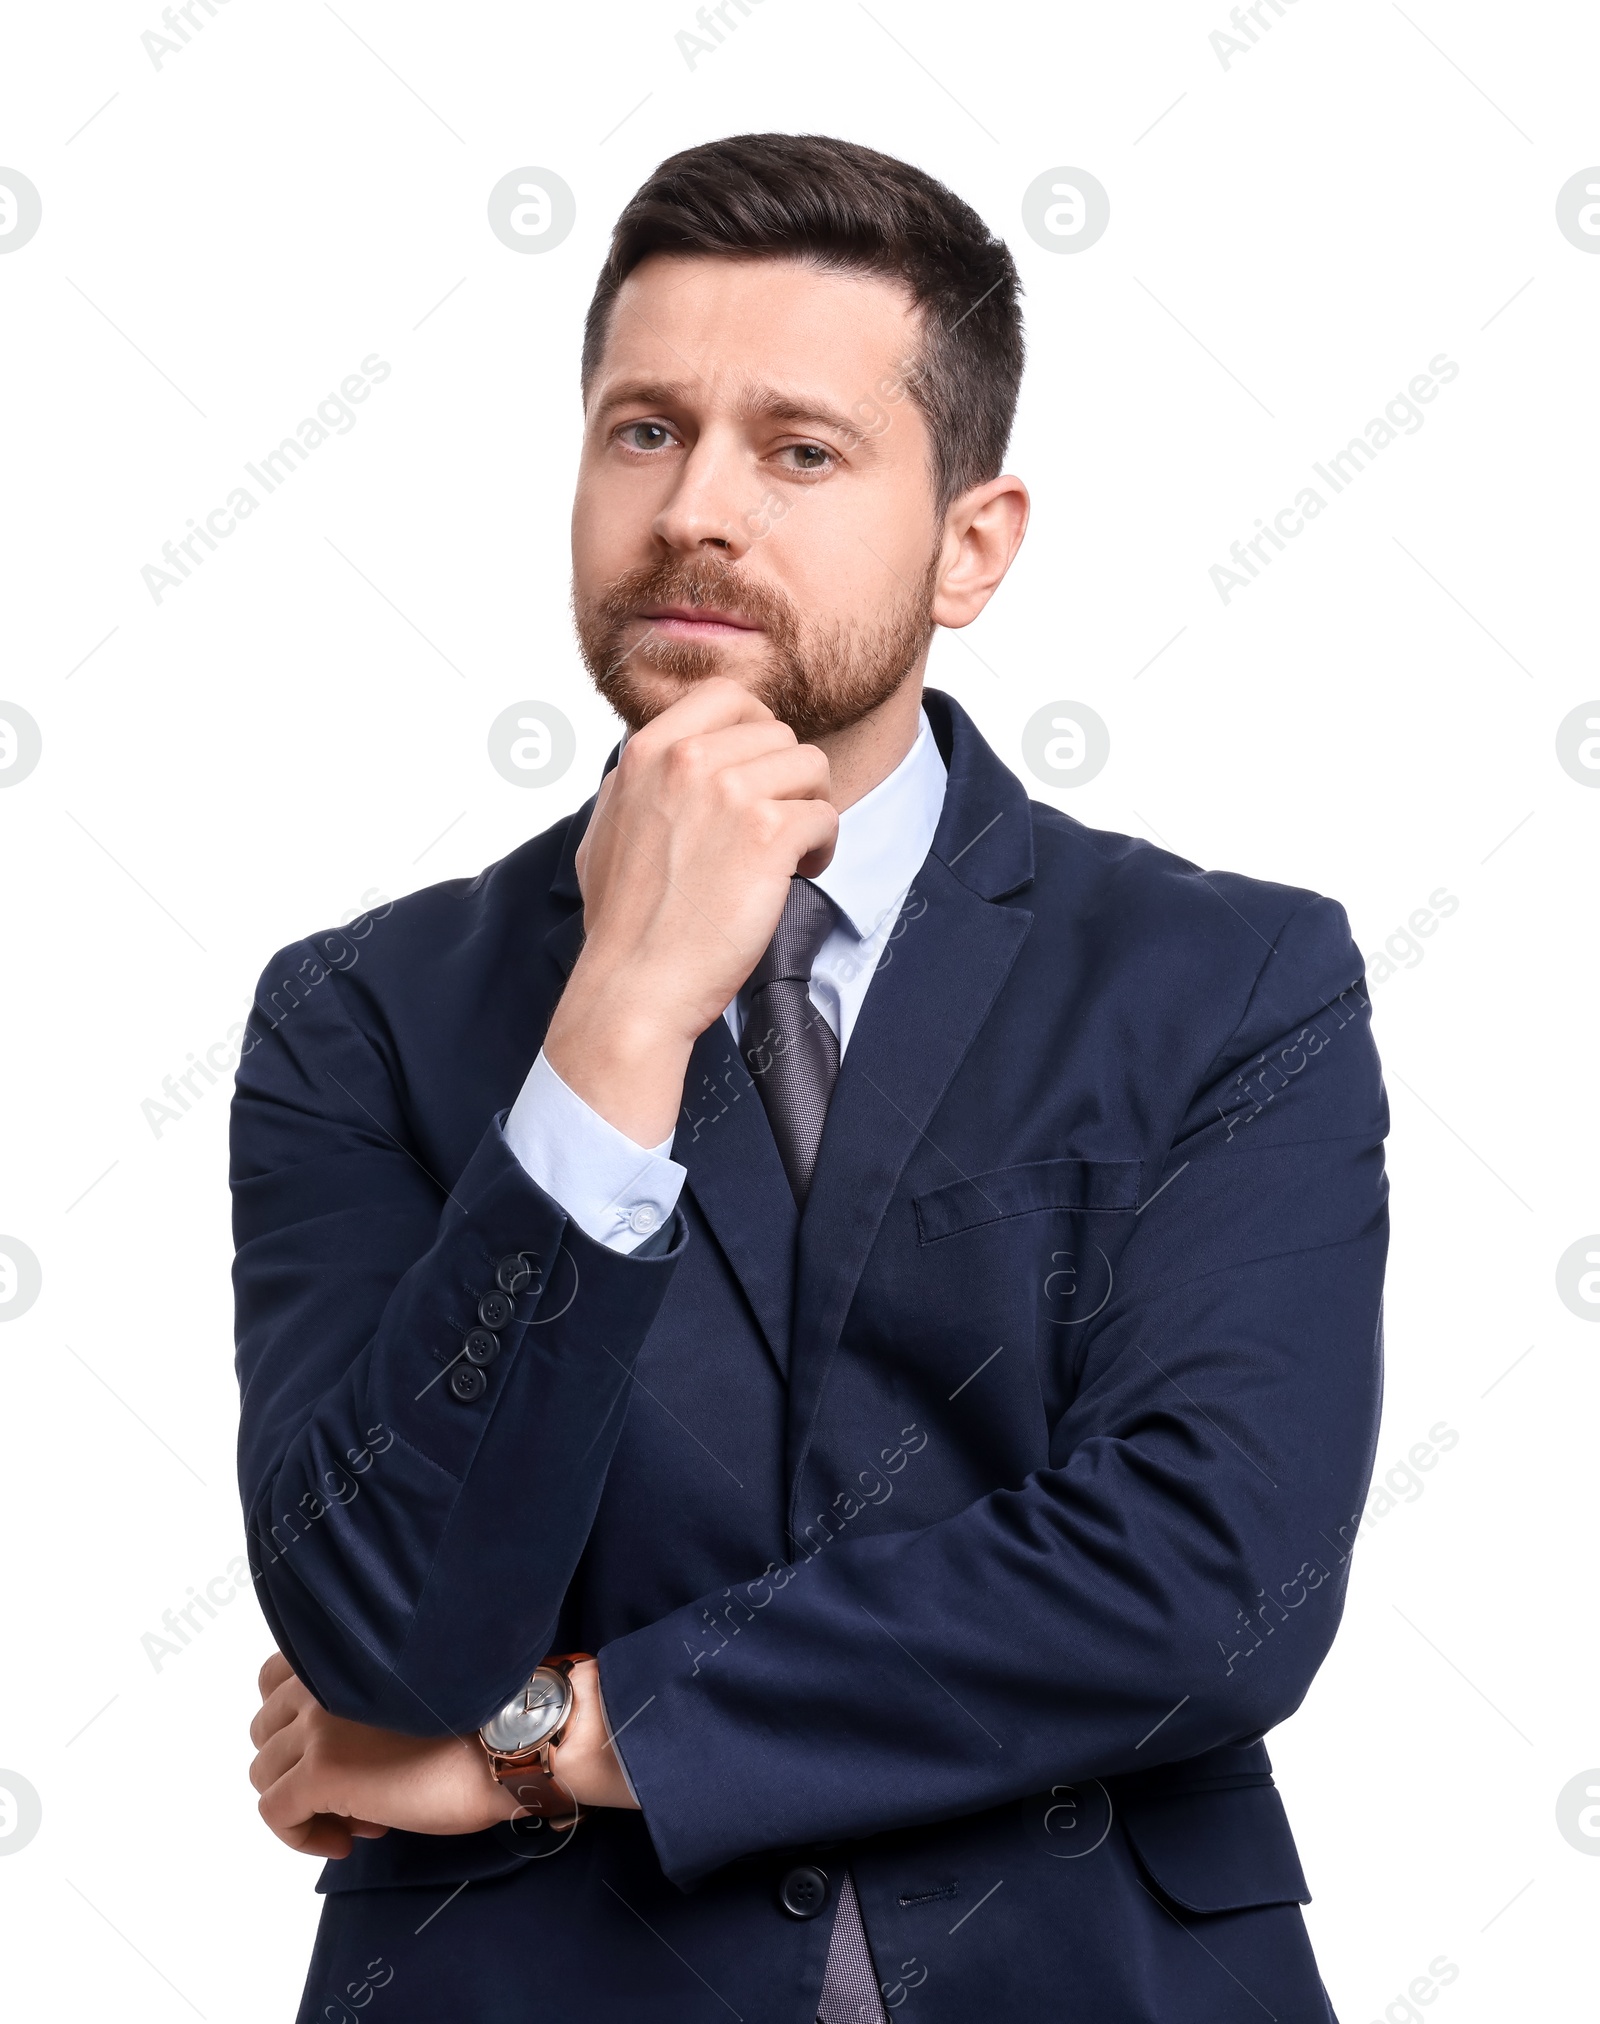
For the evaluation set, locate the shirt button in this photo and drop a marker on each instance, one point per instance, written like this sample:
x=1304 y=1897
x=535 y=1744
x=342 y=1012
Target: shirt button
x=467 y=1383
x=643 y=1219
x=804 y=1891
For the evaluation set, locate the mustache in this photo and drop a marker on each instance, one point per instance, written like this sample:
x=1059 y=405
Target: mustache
x=719 y=585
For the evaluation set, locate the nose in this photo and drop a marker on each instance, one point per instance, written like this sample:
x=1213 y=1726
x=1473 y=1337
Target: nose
x=713 y=507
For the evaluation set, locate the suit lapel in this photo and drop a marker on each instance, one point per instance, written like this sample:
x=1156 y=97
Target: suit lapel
x=738 y=1180
x=940 y=974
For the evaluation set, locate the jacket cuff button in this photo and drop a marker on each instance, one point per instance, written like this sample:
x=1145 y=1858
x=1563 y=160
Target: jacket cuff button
x=481 y=1346
x=514 y=1274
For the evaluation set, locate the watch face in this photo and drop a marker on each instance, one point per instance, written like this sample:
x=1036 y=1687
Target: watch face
x=529 y=1717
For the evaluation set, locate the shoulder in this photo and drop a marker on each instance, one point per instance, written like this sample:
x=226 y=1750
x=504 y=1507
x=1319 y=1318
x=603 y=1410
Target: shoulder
x=436 y=941
x=1136 y=902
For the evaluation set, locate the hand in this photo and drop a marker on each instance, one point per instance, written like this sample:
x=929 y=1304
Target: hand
x=711 y=810
x=326 y=1783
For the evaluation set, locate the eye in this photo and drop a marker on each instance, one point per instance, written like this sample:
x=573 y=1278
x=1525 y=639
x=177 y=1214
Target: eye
x=808 y=457
x=644 y=435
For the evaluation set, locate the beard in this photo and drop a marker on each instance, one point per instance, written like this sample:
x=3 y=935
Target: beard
x=817 y=677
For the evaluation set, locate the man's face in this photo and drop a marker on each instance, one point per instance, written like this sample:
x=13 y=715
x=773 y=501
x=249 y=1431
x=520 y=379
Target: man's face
x=755 y=497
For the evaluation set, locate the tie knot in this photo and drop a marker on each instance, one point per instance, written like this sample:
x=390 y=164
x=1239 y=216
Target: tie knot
x=803 y=926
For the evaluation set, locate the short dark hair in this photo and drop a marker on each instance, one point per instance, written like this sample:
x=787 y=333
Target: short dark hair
x=845 y=208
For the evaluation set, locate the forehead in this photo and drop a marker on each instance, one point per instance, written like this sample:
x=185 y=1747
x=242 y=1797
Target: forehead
x=721 y=326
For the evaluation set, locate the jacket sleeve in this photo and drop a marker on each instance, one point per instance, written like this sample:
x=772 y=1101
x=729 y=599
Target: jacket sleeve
x=1170 y=1582
x=411 y=1546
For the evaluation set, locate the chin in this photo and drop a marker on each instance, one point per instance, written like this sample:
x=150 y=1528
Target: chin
x=662 y=673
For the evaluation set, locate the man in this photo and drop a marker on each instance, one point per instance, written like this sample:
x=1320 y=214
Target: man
x=890 y=1272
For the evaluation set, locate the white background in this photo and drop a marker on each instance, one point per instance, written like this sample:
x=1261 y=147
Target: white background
x=1292 y=239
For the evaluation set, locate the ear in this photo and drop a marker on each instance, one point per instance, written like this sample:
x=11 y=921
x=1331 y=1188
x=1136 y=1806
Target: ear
x=983 y=529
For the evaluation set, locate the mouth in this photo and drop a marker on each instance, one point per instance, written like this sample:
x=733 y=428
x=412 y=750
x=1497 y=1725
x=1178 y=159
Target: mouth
x=695 y=622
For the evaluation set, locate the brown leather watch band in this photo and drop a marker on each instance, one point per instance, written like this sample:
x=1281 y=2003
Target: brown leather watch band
x=527 y=1775
x=538 y=1792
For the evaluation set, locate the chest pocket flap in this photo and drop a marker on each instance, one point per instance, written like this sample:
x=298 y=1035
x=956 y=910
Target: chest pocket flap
x=1023 y=1191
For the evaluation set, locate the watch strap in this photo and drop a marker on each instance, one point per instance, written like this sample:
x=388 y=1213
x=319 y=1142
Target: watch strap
x=539 y=1793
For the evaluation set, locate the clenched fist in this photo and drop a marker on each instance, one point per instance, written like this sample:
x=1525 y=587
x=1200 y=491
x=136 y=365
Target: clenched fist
x=711 y=810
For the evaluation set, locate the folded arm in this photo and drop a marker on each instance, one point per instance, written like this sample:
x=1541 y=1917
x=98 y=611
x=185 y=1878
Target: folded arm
x=377 y=1470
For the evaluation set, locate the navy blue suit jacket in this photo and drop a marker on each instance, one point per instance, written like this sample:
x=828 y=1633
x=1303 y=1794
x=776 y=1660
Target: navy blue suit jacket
x=971 y=1528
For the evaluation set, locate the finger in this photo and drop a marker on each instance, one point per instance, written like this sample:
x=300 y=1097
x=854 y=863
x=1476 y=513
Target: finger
x=732 y=745
x=816 y=861
x=289 y=1805
x=279 y=1709
x=275 y=1713
x=694 y=766
x=273 y=1674
x=709 y=705
x=328 y=1837
x=276 y=1757
x=324 y=1834
x=797 y=773
x=333 y=1836
x=807 y=834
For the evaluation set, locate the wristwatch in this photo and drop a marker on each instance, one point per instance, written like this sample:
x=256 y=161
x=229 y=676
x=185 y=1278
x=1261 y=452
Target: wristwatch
x=519 y=1739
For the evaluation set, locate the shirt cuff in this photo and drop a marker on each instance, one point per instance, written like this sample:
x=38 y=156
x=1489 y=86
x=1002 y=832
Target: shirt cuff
x=616 y=1747
x=617 y=1192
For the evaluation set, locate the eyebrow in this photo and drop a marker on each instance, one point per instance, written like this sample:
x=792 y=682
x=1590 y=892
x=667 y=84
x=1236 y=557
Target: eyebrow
x=756 y=404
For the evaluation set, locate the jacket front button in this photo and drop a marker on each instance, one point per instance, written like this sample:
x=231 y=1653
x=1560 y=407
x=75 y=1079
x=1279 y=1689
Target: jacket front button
x=467 y=1383
x=804 y=1891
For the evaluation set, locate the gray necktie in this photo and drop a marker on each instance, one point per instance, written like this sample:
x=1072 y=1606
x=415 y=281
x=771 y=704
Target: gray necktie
x=793 y=1054
x=788 y=1046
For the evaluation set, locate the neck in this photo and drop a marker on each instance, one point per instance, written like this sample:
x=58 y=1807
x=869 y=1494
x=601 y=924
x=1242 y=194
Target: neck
x=869 y=751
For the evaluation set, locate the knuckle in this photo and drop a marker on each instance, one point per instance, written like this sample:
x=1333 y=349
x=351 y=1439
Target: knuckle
x=683 y=761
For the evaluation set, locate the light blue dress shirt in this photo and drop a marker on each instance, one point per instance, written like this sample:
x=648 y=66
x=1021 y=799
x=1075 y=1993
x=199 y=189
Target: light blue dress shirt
x=619 y=1192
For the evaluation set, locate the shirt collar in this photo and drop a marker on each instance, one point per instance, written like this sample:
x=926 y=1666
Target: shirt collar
x=884 y=837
